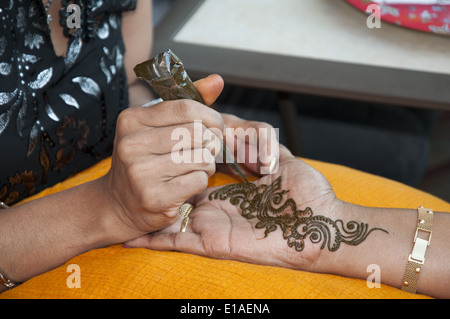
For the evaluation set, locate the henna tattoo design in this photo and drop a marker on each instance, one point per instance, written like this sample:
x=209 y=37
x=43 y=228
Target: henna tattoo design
x=264 y=202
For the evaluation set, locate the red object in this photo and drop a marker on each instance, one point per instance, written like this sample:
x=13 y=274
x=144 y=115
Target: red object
x=428 y=18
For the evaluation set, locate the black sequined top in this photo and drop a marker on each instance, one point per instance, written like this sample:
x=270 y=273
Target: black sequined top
x=57 y=115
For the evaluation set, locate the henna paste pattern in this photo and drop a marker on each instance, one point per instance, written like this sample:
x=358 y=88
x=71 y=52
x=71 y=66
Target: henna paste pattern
x=266 y=203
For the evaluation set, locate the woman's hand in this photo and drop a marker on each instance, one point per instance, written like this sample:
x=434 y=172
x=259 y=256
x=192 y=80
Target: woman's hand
x=242 y=226
x=146 y=186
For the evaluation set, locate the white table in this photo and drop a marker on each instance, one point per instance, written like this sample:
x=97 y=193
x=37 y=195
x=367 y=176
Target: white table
x=320 y=47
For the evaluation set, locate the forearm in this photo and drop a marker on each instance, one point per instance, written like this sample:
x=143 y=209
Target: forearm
x=390 y=250
x=42 y=234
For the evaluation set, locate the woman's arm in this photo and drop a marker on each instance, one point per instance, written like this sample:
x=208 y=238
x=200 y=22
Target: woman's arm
x=390 y=251
x=44 y=233
x=137 y=30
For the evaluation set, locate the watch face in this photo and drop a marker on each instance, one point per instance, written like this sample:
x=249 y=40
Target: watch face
x=425 y=15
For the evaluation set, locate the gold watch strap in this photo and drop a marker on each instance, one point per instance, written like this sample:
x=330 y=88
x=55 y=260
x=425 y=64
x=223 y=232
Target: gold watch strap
x=417 y=257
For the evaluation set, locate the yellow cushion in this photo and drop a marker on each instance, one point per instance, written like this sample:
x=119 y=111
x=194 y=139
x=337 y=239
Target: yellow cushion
x=117 y=272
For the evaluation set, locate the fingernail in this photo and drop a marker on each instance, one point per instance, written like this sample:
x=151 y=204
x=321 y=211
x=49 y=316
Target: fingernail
x=273 y=168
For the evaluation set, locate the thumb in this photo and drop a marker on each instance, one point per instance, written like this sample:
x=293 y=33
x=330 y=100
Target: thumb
x=210 y=88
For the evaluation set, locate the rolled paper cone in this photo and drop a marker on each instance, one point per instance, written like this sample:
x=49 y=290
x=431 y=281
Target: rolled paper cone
x=167 y=76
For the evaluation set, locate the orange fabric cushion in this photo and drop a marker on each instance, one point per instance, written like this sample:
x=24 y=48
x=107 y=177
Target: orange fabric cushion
x=117 y=272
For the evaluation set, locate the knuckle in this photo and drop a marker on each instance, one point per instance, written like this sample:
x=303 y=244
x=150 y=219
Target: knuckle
x=208 y=116
x=190 y=110
x=125 y=147
x=181 y=110
x=218 y=120
x=126 y=120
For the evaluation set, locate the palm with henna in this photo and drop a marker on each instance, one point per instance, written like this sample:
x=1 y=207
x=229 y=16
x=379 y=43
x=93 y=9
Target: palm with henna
x=232 y=228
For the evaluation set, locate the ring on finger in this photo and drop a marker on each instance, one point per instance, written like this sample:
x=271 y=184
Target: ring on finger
x=184 y=224
x=184 y=211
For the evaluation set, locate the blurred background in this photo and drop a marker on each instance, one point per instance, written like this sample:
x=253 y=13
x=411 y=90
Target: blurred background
x=409 y=145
